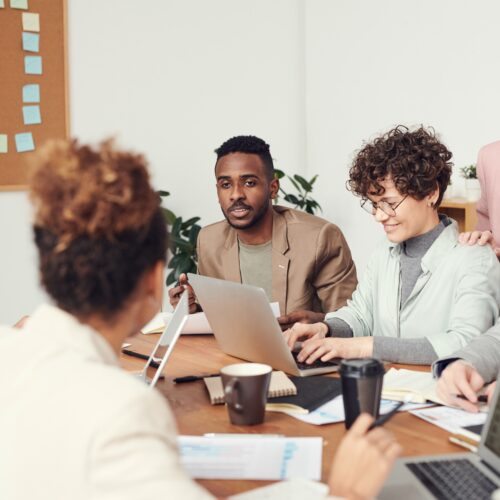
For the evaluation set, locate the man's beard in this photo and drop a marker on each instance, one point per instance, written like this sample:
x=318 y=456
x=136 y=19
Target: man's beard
x=253 y=222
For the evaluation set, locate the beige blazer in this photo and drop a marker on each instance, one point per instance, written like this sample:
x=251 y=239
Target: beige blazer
x=312 y=265
x=73 y=425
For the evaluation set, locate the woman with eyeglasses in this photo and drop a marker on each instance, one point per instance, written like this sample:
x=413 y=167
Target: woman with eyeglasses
x=423 y=295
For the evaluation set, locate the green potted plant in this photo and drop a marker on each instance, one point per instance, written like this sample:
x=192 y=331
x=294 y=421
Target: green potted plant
x=302 y=199
x=472 y=188
x=183 y=237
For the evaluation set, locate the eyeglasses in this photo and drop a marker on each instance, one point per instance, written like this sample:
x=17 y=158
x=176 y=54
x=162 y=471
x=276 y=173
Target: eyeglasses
x=388 y=208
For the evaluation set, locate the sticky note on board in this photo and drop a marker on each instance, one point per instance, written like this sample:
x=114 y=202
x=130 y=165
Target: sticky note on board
x=18 y=4
x=24 y=142
x=31 y=115
x=31 y=42
x=4 y=147
x=31 y=93
x=31 y=21
x=33 y=65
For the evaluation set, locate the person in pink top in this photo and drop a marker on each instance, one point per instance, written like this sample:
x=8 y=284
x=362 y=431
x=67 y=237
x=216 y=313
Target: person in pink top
x=488 y=207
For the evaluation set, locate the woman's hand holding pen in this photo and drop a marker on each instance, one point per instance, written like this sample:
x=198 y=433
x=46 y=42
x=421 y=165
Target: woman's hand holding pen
x=459 y=385
x=174 y=294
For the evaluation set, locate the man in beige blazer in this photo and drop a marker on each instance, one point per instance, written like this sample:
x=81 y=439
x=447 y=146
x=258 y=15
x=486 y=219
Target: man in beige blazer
x=300 y=260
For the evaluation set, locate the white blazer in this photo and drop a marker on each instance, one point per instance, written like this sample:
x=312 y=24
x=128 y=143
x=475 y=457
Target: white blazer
x=74 y=426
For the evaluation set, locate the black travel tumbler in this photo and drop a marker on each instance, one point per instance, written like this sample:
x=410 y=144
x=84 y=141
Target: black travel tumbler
x=361 y=381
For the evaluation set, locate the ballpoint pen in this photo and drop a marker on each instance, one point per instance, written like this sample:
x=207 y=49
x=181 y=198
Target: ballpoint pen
x=384 y=418
x=155 y=363
x=481 y=398
x=193 y=378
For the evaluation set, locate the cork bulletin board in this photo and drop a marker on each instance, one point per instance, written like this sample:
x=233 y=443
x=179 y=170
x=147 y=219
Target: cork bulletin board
x=33 y=83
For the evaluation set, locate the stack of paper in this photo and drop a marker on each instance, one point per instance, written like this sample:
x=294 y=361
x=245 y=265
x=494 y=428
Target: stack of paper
x=451 y=419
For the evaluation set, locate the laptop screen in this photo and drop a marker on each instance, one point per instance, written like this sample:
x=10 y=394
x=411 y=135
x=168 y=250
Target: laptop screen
x=492 y=440
x=168 y=339
x=489 y=448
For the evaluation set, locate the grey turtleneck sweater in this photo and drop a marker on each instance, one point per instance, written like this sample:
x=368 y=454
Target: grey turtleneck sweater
x=415 y=351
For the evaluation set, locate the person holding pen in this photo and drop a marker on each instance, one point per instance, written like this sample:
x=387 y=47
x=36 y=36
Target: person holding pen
x=74 y=425
x=423 y=296
x=464 y=374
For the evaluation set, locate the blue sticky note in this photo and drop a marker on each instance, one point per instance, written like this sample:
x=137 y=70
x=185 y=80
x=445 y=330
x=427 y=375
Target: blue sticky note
x=4 y=147
x=31 y=42
x=31 y=93
x=19 y=4
x=24 y=142
x=31 y=115
x=33 y=65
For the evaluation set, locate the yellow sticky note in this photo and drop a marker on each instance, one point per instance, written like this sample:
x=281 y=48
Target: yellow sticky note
x=31 y=21
x=4 y=148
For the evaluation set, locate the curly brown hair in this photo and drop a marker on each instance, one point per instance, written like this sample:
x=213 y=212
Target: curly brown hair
x=416 y=161
x=97 y=223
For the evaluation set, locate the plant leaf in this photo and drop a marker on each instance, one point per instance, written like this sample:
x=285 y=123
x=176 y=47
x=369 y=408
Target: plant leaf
x=162 y=194
x=278 y=174
x=296 y=186
x=170 y=278
x=168 y=215
x=291 y=198
x=190 y=222
x=305 y=185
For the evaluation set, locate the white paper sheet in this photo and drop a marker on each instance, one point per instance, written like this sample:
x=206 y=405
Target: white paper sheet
x=257 y=457
x=450 y=419
x=333 y=411
x=294 y=489
x=197 y=323
x=156 y=325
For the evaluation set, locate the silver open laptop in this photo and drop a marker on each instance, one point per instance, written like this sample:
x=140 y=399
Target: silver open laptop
x=471 y=475
x=167 y=340
x=244 y=325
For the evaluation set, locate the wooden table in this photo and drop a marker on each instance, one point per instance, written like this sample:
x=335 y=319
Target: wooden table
x=199 y=354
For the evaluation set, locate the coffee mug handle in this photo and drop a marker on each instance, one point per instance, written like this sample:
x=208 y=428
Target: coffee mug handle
x=230 y=395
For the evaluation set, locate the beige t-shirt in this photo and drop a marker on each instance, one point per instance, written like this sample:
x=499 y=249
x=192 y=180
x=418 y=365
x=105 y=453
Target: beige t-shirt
x=256 y=266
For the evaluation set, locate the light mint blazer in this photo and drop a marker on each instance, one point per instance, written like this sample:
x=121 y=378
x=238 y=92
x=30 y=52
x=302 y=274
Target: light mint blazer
x=455 y=299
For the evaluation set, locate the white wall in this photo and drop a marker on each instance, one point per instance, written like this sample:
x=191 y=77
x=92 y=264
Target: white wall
x=313 y=77
x=173 y=79
x=372 y=65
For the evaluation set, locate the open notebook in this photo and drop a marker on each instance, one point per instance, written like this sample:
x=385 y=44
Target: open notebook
x=280 y=385
x=400 y=383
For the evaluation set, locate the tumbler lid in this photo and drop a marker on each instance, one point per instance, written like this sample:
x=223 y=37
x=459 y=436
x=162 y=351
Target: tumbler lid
x=362 y=367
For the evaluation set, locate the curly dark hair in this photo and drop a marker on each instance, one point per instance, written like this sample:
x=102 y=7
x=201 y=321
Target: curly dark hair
x=251 y=145
x=98 y=225
x=417 y=162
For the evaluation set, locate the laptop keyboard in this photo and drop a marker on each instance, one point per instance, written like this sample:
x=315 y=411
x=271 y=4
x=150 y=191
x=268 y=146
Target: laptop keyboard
x=317 y=364
x=453 y=479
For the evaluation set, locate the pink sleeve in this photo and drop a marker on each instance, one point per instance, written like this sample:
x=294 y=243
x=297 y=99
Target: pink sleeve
x=483 y=218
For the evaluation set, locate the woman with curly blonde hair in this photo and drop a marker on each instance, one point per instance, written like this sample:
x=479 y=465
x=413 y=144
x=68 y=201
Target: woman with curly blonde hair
x=423 y=295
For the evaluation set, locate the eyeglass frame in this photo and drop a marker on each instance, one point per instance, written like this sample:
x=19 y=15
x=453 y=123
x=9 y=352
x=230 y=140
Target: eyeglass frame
x=375 y=206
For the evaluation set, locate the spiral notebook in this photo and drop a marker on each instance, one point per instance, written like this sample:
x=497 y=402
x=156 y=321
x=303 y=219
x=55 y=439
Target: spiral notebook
x=280 y=385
